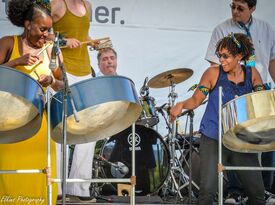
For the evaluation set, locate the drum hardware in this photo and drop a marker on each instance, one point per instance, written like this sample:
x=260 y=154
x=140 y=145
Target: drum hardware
x=118 y=169
x=178 y=171
x=144 y=90
x=149 y=116
x=171 y=185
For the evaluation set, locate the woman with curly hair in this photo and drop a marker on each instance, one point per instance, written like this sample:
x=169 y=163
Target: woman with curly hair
x=28 y=53
x=236 y=80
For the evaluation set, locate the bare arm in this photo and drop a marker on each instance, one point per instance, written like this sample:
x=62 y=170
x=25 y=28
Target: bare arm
x=55 y=79
x=208 y=79
x=6 y=50
x=272 y=69
x=58 y=10
x=256 y=77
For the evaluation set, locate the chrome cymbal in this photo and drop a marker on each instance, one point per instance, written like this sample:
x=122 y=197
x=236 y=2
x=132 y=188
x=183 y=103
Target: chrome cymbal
x=170 y=77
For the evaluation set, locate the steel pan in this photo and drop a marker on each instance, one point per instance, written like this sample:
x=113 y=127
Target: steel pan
x=106 y=105
x=21 y=105
x=249 y=122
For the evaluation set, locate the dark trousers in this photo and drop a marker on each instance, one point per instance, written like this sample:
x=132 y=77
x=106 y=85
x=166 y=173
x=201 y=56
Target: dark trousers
x=251 y=180
x=268 y=160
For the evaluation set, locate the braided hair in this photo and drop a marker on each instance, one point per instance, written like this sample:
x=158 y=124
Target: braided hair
x=236 y=43
x=21 y=10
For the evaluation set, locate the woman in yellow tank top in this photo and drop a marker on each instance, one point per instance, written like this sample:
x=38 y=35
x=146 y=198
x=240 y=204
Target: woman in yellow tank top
x=72 y=20
x=23 y=53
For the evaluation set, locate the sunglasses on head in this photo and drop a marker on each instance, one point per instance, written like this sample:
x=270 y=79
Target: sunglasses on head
x=223 y=55
x=239 y=8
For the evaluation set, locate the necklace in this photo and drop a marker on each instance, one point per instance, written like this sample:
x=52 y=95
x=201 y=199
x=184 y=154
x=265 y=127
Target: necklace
x=28 y=47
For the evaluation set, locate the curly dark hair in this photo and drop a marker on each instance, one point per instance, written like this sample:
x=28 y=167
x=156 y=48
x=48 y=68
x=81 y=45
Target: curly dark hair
x=21 y=10
x=236 y=43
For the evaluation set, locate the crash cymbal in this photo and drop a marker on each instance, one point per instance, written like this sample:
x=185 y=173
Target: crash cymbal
x=167 y=78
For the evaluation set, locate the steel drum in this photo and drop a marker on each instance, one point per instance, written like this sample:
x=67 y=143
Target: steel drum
x=249 y=122
x=21 y=106
x=105 y=106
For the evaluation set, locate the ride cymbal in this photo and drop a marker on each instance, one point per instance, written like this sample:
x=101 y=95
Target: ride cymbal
x=170 y=77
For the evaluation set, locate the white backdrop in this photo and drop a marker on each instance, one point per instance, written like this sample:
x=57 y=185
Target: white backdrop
x=153 y=36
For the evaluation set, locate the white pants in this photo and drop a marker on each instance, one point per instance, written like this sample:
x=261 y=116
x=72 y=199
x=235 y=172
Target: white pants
x=82 y=161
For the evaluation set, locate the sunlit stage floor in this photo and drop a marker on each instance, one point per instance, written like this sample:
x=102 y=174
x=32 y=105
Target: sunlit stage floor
x=139 y=200
x=144 y=200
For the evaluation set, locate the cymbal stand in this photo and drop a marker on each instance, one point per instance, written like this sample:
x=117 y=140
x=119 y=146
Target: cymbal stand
x=177 y=171
x=171 y=183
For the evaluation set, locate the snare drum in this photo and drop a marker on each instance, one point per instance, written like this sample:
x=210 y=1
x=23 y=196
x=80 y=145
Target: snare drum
x=148 y=116
x=152 y=159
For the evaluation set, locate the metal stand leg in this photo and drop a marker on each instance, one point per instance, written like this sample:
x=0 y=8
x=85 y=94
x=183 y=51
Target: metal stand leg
x=177 y=171
x=133 y=177
x=49 y=182
x=220 y=166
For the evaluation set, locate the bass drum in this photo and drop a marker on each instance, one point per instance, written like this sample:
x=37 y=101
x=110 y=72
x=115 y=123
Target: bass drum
x=152 y=160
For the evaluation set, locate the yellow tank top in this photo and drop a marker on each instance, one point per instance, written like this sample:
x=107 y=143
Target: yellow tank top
x=76 y=61
x=35 y=70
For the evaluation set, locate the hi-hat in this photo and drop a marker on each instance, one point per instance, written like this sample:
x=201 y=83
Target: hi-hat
x=170 y=77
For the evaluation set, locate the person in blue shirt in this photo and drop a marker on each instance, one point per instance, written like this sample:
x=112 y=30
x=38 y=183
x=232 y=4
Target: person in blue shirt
x=236 y=80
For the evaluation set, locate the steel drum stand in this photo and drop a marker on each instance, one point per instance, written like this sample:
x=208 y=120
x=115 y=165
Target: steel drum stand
x=67 y=93
x=221 y=167
x=177 y=170
x=48 y=173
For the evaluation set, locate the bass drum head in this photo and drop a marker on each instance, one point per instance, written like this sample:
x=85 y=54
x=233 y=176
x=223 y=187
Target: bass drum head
x=152 y=160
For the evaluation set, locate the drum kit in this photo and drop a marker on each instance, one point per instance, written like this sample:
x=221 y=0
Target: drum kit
x=160 y=161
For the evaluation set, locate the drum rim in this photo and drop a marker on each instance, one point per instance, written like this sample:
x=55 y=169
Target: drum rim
x=102 y=77
x=246 y=95
x=28 y=76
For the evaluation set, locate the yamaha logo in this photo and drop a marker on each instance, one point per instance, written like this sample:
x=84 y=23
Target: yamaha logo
x=137 y=141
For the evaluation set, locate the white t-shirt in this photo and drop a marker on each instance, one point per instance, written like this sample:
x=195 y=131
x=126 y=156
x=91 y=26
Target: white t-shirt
x=263 y=37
